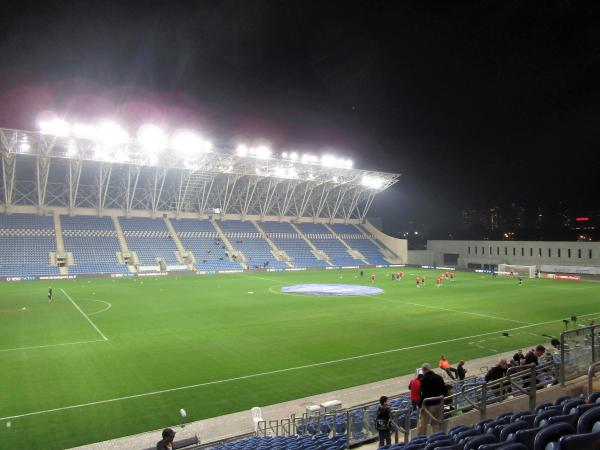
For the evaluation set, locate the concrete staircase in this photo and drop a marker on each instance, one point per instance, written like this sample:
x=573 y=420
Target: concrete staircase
x=182 y=255
x=123 y=244
x=279 y=254
x=239 y=256
x=354 y=253
x=60 y=246
x=319 y=254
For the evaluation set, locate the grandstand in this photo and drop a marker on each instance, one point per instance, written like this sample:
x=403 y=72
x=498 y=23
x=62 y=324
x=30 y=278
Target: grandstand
x=27 y=244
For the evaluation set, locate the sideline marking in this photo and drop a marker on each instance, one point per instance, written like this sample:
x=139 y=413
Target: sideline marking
x=276 y=371
x=49 y=345
x=85 y=315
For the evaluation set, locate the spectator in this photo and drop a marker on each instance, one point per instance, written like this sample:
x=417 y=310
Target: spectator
x=432 y=385
x=533 y=355
x=446 y=367
x=517 y=357
x=415 y=391
x=497 y=372
x=448 y=401
x=167 y=440
x=383 y=422
x=460 y=370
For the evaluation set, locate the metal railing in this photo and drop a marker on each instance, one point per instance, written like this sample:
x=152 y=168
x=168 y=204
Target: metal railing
x=591 y=374
x=579 y=348
x=519 y=380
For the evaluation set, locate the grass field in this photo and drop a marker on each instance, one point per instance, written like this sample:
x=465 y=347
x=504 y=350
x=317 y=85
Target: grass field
x=110 y=358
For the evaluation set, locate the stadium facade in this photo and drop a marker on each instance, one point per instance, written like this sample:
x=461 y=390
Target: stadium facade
x=569 y=257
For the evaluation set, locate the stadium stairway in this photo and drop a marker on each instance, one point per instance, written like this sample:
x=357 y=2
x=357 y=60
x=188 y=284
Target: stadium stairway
x=279 y=254
x=120 y=235
x=183 y=255
x=240 y=257
x=354 y=253
x=387 y=254
x=222 y=427
x=319 y=254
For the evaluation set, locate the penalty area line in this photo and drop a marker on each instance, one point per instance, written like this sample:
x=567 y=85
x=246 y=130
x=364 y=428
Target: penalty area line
x=274 y=372
x=33 y=347
x=85 y=315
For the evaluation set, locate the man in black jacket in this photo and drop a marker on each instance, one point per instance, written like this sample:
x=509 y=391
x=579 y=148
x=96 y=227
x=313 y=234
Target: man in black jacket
x=432 y=385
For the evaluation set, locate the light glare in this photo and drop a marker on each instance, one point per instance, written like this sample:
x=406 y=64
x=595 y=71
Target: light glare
x=152 y=138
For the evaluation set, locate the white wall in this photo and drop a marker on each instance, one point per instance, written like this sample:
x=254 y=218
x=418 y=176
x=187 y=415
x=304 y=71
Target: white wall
x=517 y=252
x=421 y=257
x=398 y=246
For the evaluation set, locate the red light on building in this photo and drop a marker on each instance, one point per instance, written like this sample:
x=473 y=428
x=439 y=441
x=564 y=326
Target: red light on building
x=582 y=219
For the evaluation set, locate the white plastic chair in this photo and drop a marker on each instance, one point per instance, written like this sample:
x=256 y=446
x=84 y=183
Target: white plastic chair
x=256 y=417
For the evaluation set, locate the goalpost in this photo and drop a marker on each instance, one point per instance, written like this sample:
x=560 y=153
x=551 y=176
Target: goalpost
x=521 y=271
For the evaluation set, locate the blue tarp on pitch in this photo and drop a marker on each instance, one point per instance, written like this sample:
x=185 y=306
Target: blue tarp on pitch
x=331 y=289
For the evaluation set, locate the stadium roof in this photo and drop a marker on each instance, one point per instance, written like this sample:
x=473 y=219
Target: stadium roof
x=73 y=172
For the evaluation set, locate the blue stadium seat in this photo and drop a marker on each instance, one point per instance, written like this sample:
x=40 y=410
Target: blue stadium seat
x=547 y=438
x=589 y=421
x=585 y=441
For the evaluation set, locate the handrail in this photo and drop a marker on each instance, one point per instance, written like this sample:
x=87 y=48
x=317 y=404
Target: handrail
x=590 y=375
x=431 y=400
x=474 y=387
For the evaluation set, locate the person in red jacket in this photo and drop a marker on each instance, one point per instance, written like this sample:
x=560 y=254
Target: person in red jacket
x=415 y=391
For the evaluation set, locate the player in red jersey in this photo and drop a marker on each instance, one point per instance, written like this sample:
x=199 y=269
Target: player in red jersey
x=438 y=282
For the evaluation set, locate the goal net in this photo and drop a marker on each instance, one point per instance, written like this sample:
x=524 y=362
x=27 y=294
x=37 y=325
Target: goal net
x=520 y=271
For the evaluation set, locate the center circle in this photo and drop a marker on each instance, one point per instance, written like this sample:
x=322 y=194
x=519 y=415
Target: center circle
x=346 y=290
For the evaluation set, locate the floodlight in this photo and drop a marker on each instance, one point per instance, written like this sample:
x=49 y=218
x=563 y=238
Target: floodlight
x=242 y=150
x=111 y=133
x=284 y=155
x=349 y=164
x=151 y=138
x=293 y=156
x=263 y=152
x=56 y=127
x=187 y=143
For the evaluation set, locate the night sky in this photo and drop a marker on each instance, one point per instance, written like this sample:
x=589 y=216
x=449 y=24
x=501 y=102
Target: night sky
x=475 y=103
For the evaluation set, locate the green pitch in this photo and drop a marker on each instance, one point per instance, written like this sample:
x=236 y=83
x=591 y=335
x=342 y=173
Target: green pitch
x=110 y=358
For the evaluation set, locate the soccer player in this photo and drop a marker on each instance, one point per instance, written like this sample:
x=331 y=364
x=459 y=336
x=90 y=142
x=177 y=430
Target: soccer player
x=400 y=275
x=438 y=282
x=373 y=278
x=49 y=294
x=446 y=275
x=451 y=276
x=520 y=281
x=418 y=282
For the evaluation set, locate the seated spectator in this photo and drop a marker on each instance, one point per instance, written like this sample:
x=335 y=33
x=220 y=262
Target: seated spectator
x=166 y=443
x=448 y=401
x=446 y=367
x=460 y=370
x=517 y=357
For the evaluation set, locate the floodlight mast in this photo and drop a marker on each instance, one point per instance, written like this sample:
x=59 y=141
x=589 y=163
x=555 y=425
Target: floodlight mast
x=193 y=176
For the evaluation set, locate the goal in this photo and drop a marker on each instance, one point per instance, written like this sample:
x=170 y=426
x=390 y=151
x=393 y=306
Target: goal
x=522 y=271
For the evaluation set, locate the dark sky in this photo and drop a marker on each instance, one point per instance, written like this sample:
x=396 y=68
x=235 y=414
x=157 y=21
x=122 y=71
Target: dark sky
x=475 y=103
